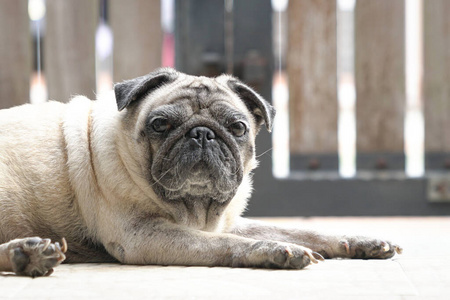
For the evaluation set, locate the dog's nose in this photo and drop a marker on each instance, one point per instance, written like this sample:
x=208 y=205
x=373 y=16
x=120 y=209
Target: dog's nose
x=201 y=135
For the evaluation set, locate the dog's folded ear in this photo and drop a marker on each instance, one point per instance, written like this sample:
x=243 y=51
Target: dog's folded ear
x=260 y=108
x=135 y=89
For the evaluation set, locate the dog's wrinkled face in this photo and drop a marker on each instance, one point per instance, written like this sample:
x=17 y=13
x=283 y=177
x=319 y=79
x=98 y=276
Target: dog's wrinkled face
x=200 y=144
x=197 y=134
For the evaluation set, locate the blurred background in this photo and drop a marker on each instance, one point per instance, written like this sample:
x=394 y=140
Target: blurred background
x=361 y=87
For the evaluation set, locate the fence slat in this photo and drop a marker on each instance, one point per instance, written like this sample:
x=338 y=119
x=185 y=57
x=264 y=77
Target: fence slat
x=380 y=81
x=137 y=33
x=436 y=82
x=69 y=48
x=15 y=53
x=311 y=66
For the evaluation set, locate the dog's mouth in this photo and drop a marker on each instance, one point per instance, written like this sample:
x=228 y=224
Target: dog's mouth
x=197 y=169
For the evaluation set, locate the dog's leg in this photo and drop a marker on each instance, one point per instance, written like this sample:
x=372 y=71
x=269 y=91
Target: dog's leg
x=327 y=245
x=31 y=256
x=170 y=244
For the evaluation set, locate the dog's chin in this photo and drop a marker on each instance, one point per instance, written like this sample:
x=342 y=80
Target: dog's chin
x=198 y=196
x=201 y=181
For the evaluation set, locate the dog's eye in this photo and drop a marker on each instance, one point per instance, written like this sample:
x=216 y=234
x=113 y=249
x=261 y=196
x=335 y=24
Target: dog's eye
x=161 y=125
x=238 y=129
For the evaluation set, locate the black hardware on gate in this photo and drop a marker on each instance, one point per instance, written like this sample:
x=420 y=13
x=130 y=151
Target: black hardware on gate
x=447 y=163
x=381 y=164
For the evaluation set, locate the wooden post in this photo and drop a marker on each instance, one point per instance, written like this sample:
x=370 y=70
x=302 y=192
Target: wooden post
x=136 y=26
x=311 y=66
x=437 y=83
x=380 y=83
x=15 y=53
x=69 y=48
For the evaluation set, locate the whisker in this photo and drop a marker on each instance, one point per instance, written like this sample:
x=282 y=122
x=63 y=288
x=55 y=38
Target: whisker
x=158 y=180
x=265 y=152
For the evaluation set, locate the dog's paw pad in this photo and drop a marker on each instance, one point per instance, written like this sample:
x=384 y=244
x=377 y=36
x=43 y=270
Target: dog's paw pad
x=19 y=260
x=35 y=256
x=294 y=257
x=361 y=247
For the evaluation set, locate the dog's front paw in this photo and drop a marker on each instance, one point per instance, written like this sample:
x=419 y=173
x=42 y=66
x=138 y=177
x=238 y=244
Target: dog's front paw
x=35 y=256
x=363 y=247
x=275 y=255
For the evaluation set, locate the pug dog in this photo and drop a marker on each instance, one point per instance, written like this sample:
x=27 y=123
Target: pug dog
x=157 y=171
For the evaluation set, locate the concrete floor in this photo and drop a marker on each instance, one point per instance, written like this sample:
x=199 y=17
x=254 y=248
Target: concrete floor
x=421 y=272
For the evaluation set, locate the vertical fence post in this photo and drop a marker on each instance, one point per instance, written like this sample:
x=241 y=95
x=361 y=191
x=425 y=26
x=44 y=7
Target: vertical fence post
x=137 y=34
x=15 y=53
x=380 y=83
x=253 y=63
x=69 y=48
x=437 y=84
x=311 y=66
x=200 y=37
